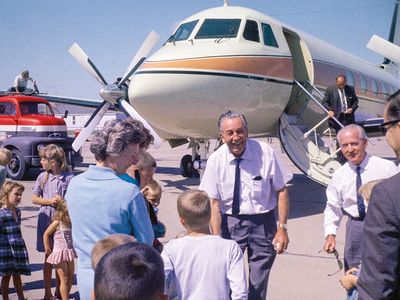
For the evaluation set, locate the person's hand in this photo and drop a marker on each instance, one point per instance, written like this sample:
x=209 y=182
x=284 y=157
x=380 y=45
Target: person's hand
x=348 y=111
x=56 y=200
x=47 y=251
x=330 y=243
x=349 y=280
x=331 y=114
x=281 y=240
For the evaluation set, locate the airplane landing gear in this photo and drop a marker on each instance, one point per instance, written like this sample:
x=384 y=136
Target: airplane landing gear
x=194 y=165
x=187 y=167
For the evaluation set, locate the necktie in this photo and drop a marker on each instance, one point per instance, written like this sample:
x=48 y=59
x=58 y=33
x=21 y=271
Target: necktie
x=236 y=189
x=360 y=200
x=343 y=100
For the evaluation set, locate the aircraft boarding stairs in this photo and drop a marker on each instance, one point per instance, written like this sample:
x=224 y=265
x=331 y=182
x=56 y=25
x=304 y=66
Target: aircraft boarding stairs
x=307 y=140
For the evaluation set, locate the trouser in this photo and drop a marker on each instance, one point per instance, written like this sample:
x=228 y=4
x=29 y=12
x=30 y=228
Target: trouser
x=354 y=243
x=85 y=281
x=254 y=233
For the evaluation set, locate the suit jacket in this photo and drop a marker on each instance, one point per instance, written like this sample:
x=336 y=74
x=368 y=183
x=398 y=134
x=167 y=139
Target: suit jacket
x=379 y=275
x=332 y=101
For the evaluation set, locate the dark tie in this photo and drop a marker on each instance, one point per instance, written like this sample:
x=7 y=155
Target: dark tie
x=236 y=189
x=360 y=200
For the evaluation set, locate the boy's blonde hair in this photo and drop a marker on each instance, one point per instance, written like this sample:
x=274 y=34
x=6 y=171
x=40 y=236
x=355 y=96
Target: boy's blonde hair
x=5 y=156
x=155 y=189
x=366 y=189
x=6 y=189
x=194 y=208
x=102 y=246
x=146 y=161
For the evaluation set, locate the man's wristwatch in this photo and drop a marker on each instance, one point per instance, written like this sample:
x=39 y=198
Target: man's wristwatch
x=284 y=226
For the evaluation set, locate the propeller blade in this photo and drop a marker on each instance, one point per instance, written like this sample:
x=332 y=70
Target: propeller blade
x=130 y=111
x=90 y=125
x=81 y=57
x=151 y=40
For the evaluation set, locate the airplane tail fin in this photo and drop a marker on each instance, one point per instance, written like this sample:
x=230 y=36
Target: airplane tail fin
x=394 y=34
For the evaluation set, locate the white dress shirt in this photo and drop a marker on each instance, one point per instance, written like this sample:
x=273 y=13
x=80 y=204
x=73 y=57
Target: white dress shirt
x=341 y=192
x=262 y=175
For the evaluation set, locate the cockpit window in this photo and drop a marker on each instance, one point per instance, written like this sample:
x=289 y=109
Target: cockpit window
x=250 y=32
x=269 y=37
x=218 y=28
x=183 y=32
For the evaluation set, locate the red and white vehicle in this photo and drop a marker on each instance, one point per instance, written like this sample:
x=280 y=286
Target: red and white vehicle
x=26 y=124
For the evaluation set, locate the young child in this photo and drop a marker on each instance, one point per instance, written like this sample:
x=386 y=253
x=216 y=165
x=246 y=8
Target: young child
x=130 y=271
x=201 y=265
x=5 y=158
x=102 y=246
x=349 y=280
x=49 y=190
x=142 y=172
x=63 y=253
x=14 y=259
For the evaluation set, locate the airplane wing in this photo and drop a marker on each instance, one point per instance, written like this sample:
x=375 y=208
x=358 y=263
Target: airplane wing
x=72 y=101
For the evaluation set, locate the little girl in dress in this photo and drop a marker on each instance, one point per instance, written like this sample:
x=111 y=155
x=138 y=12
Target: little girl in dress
x=63 y=253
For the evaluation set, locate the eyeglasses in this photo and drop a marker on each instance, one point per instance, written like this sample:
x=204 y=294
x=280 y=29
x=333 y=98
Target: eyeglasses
x=384 y=127
x=336 y=254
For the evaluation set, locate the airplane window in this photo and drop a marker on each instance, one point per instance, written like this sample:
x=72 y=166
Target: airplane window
x=349 y=78
x=374 y=86
x=250 y=32
x=363 y=83
x=383 y=89
x=218 y=28
x=7 y=109
x=183 y=32
x=269 y=37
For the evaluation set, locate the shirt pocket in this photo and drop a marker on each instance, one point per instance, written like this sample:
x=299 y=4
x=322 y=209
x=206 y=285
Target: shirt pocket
x=226 y=190
x=261 y=189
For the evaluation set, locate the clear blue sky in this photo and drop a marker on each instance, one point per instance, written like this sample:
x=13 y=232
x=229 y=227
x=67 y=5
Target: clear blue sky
x=36 y=34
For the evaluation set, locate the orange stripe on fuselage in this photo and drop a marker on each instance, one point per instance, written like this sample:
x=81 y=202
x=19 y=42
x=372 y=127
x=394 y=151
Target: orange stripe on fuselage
x=270 y=66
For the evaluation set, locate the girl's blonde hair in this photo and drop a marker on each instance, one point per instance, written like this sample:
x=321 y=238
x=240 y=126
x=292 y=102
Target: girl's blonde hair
x=5 y=156
x=62 y=214
x=56 y=153
x=6 y=189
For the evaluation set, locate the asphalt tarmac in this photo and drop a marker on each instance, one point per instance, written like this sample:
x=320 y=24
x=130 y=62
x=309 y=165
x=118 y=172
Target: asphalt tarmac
x=300 y=273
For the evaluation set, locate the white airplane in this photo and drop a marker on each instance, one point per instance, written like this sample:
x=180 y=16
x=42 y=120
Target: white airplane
x=235 y=58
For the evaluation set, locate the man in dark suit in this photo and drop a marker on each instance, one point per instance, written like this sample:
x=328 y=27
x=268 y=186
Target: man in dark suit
x=341 y=102
x=379 y=275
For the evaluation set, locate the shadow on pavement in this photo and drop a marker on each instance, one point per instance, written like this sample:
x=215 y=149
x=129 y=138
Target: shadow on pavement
x=306 y=197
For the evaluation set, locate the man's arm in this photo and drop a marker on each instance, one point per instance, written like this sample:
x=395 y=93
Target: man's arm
x=332 y=216
x=281 y=237
x=380 y=262
x=354 y=99
x=326 y=102
x=215 y=221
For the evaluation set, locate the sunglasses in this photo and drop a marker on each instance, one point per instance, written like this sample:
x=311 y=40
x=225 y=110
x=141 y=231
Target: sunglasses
x=339 y=262
x=384 y=127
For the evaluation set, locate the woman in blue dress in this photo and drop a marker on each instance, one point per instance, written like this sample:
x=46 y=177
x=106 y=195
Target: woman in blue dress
x=100 y=203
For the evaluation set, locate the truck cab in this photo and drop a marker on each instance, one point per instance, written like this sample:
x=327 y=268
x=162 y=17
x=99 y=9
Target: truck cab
x=28 y=123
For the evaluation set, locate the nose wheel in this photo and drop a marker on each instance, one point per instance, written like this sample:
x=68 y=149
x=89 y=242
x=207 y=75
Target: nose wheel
x=187 y=167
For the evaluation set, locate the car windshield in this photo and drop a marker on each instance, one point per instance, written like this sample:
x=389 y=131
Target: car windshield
x=218 y=28
x=7 y=109
x=183 y=32
x=35 y=108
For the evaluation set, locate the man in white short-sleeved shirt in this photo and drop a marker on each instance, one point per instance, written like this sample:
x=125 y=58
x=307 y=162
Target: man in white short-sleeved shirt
x=342 y=194
x=246 y=183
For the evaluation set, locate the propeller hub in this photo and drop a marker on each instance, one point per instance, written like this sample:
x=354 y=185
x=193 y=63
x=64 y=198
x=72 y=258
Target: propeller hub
x=111 y=93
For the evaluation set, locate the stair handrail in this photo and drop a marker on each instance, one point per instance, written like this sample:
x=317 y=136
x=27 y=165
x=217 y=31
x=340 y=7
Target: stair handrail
x=316 y=101
x=320 y=105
